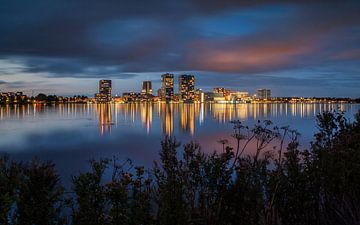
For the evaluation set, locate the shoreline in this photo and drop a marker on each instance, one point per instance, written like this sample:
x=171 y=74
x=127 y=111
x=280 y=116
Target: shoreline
x=188 y=103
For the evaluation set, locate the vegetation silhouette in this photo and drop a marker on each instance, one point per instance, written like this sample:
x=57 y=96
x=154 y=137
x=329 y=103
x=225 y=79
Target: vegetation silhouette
x=276 y=184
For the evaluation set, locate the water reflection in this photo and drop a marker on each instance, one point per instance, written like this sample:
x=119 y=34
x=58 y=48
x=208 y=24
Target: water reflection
x=185 y=118
x=146 y=116
x=71 y=134
x=167 y=118
x=105 y=118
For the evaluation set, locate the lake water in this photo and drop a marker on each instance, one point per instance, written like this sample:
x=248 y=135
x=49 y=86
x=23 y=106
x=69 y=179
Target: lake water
x=70 y=135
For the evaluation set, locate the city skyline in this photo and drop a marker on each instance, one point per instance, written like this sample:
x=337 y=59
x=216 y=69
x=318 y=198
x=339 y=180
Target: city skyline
x=180 y=112
x=302 y=48
x=186 y=91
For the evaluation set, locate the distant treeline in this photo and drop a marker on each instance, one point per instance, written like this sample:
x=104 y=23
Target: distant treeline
x=280 y=185
x=40 y=98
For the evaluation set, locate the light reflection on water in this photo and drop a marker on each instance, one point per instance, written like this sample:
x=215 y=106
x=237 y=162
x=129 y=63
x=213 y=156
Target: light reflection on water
x=188 y=116
x=72 y=134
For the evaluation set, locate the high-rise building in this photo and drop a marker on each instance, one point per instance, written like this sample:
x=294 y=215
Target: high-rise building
x=167 y=87
x=146 y=88
x=264 y=94
x=104 y=94
x=187 y=88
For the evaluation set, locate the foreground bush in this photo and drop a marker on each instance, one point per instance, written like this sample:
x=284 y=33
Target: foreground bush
x=277 y=183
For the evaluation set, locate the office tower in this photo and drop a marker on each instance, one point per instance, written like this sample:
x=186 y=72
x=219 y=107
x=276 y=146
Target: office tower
x=104 y=90
x=167 y=87
x=264 y=94
x=146 y=88
x=187 y=88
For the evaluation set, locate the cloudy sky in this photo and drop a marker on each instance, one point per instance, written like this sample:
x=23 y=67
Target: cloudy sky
x=302 y=48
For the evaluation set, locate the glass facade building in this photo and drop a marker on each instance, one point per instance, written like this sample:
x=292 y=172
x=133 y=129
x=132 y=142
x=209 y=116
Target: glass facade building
x=187 y=88
x=104 y=94
x=167 y=87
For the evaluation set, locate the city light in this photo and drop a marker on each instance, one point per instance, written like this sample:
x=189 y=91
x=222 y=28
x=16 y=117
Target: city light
x=187 y=94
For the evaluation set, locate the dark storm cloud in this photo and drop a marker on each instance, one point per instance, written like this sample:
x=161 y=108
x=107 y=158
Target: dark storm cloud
x=116 y=39
x=72 y=68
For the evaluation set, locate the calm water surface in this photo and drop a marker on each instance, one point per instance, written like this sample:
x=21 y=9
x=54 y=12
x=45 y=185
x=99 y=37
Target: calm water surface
x=71 y=134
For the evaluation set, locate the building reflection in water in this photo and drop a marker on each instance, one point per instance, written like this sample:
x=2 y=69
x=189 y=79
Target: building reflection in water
x=146 y=112
x=201 y=113
x=187 y=118
x=227 y=112
x=188 y=115
x=105 y=118
x=167 y=118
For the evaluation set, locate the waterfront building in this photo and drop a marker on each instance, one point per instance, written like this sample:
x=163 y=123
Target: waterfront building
x=105 y=88
x=264 y=94
x=159 y=93
x=132 y=97
x=199 y=96
x=208 y=96
x=13 y=98
x=167 y=87
x=187 y=88
x=219 y=90
x=224 y=91
x=104 y=94
x=100 y=97
x=239 y=96
x=219 y=98
x=146 y=88
x=146 y=91
x=222 y=94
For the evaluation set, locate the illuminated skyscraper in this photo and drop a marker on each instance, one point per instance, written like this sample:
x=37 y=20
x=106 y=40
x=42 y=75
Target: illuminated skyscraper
x=167 y=87
x=104 y=94
x=105 y=88
x=264 y=94
x=187 y=88
x=146 y=87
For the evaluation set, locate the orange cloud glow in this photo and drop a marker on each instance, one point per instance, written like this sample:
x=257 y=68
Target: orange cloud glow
x=252 y=58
